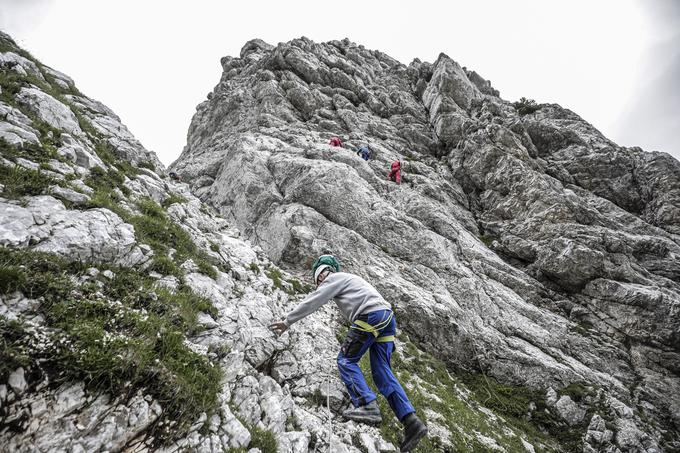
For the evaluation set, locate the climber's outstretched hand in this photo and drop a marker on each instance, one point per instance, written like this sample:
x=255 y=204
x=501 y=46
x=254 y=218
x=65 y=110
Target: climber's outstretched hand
x=278 y=328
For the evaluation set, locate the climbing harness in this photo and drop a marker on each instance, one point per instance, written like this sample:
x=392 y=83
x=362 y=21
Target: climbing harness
x=363 y=326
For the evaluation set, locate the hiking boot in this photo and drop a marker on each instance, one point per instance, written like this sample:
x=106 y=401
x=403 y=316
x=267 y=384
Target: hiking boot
x=368 y=413
x=414 y=430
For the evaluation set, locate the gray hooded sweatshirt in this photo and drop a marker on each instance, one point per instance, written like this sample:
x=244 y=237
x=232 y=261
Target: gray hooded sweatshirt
x=353 y=295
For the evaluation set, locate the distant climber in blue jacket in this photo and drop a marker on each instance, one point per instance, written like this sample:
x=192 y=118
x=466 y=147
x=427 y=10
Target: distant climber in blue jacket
x=373 y=327
x=364 y=152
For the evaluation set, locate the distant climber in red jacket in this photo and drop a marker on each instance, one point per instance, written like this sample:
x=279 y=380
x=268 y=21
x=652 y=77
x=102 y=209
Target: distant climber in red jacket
x=395 y=172
x=335 y=141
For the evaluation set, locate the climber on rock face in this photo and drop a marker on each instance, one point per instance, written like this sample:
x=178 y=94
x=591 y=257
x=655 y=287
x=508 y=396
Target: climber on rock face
x=364 y=152
x=395 y=172
x=373 y=328
x=335 y=141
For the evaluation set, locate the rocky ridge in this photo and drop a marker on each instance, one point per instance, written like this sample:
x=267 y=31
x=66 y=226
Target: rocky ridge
x=133 y=316
x=524 y=247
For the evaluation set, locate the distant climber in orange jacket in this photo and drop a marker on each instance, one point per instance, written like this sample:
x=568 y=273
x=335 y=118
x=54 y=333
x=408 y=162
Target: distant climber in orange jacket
x=395 y=173
x=335 y=141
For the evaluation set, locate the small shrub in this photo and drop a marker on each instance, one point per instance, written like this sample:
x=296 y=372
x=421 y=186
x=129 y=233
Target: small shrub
x=526 y=106
x=262 y=439
x=19 y=181
x=206 y=268
x=299 y=288
x=172 y=199
x=487 y=239
x=12 y=278
x=150 y=208
x=105 y=153
x=13 y=353
x=105 y=179
x=146 y=164
x=214 y=247
x=86 y=125
x=165 y=265
x=576 y=391
x=31 y=151
x=275 y=275
x=254 y=267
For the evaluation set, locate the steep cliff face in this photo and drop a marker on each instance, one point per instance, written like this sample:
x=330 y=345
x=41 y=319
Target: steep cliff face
x=522 y=245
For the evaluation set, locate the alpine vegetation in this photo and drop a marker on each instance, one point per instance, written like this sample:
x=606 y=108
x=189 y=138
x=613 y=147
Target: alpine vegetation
x=533 y=267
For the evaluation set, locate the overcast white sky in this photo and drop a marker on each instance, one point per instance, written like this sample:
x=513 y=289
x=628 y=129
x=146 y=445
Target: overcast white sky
x=616 y=63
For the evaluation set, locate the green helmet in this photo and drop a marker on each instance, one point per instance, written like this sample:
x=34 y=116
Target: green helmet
x=325 y=261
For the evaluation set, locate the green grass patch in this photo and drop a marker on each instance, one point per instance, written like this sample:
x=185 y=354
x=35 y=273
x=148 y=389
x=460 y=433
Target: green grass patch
x=8 y=45
x=40 y=154
x=110 y=178
x=152 y=227
x=165 y=265
x=13 y=352
x=175 y=198
x=116 y=337
x=254 y=267
x=155 y=228
x=487 y=239
x=11 y=83
x=299 y=288
x=146 y=164
x=19 y=181
x=108 y=155
x=86 y=125
x=205 y=266
x=262 y=439
x=104 y=197
x=275 y=275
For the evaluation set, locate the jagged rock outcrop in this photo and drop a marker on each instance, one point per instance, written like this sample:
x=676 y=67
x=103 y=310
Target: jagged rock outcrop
x=525 y=246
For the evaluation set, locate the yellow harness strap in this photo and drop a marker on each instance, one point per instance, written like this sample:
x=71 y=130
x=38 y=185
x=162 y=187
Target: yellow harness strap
x=366 y=327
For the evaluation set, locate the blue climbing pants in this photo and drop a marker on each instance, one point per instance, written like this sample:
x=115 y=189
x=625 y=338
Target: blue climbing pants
x=356 y=344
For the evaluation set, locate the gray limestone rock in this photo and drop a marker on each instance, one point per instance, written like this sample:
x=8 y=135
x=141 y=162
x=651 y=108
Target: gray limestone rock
x=15 y=127
x=17 y=381
x=569 y=411
x=77 y=153
x=77 y=198
x=49 y=110
x=546 y=245
x=45 y=224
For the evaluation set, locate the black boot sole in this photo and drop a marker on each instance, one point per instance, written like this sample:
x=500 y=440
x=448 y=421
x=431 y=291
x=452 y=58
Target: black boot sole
x=411 y=443
x=366 y=420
